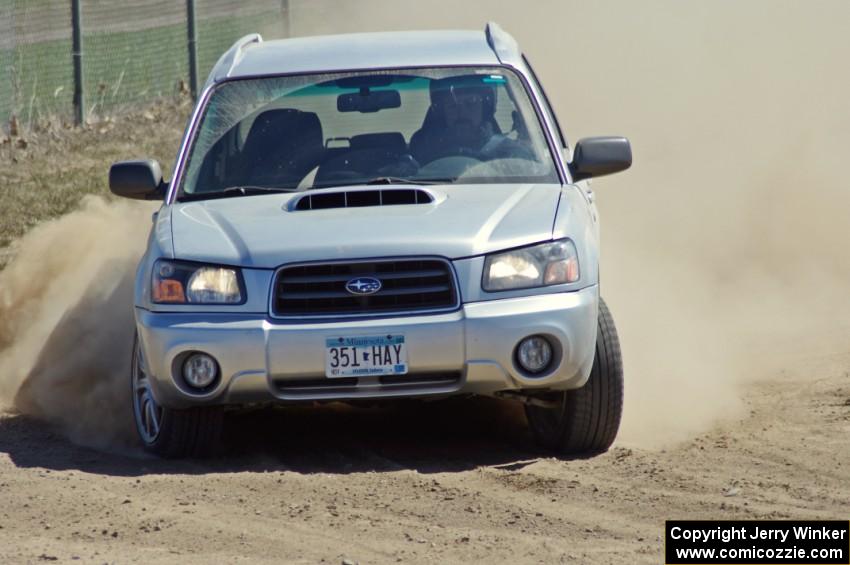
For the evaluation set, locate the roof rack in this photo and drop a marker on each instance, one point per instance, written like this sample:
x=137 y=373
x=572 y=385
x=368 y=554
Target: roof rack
x=232 y=56
x=503 y=45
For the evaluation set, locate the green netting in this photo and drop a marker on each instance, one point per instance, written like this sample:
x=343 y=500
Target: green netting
x=132 y=51
x=221 y=22
x=35 y=55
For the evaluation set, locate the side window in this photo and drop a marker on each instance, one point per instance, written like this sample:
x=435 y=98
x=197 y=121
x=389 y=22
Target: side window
x=547 y=108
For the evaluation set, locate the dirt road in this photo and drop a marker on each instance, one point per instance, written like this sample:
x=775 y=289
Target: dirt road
x=441 y=483
x=723 y=250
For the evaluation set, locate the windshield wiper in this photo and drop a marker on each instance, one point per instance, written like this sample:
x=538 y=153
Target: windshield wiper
x=247 y=189
x=231 y=191
x=401 y=180
x=385 y=180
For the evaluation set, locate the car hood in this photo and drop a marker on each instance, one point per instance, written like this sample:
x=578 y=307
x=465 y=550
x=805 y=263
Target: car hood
x=265 y=231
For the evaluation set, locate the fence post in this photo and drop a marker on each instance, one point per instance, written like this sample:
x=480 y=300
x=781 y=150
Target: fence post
x=193 y=49
x=77 y=49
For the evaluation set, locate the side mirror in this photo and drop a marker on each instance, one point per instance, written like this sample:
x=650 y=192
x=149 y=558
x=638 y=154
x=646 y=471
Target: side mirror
x=597 y=156
x=140 y=180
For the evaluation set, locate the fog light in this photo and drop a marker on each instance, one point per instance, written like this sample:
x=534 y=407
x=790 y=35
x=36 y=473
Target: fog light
x=200 y=370
x=534 y=354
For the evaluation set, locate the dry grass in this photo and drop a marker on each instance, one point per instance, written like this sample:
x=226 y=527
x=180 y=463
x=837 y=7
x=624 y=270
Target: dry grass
x=45 y=173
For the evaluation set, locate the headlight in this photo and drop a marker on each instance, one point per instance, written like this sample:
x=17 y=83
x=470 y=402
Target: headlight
x=538 y=265
x=175 y=282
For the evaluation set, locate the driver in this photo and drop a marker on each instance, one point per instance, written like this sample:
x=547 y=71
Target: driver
x=460 y=122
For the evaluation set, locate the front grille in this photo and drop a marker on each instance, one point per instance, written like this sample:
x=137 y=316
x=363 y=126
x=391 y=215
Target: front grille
x=368 y=386
x=407 y=285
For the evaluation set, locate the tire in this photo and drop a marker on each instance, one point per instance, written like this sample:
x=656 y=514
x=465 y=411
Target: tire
x=165 y=432
x=586 y=420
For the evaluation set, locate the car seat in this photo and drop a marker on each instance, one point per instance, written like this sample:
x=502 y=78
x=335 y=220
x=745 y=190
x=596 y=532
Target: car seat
x=281 y=147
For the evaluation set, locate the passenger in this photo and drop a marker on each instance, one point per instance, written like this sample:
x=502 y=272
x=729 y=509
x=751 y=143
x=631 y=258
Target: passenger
x=461 y=122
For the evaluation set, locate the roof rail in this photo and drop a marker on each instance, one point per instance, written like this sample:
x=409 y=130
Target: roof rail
x=232 y=56
x=503 y=45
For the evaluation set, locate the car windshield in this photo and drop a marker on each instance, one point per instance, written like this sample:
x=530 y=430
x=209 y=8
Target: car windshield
x=437 y=125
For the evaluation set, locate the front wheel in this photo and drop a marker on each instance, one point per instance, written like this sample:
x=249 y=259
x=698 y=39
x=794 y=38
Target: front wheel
x=167 y=432
x=586 y=420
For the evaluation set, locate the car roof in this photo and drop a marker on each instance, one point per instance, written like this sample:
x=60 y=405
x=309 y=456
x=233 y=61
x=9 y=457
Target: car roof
x=251 y=56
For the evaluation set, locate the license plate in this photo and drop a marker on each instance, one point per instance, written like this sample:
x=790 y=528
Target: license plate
x=364 y=356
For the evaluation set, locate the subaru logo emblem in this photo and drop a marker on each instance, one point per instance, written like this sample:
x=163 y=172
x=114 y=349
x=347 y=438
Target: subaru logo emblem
x=363 y=286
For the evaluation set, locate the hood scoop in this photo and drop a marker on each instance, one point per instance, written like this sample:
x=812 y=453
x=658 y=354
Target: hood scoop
x=361 y=198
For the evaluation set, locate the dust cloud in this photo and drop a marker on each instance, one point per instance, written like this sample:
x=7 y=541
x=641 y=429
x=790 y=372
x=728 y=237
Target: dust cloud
x=66 y=320
x=724 y=248
x=724 y=256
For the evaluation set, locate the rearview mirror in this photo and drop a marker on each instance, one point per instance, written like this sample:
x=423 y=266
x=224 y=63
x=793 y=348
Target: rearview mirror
x=140 y=180
x=597 y=156
x=368 y=101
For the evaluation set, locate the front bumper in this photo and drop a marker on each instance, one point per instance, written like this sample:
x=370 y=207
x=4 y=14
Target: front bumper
x=469 y=351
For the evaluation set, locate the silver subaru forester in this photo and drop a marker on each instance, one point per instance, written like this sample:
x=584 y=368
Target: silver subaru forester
x=374 y=216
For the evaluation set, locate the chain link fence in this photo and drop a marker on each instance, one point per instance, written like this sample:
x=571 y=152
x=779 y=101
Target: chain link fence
x=131 y=51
